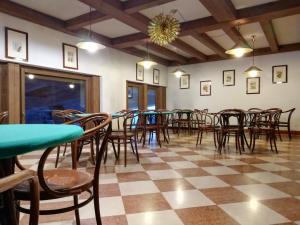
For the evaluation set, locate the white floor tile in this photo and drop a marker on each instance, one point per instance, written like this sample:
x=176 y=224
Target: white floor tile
x=167 y=217
x=137 y=187
x=186 y=199
x=231 y=162
x=253 y=212
x=163 y=174
x=220 y=170
x=151 y=160
x=194 y=157
x=128 y=168
x=267 y=177
x=206 y=182
x=166 y=154
x=271 y=167
x=108 y=178
x=182 y=165
x=261 y=191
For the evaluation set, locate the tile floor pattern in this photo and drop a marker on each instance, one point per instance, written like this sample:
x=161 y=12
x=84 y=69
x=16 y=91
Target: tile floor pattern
x=181 y=184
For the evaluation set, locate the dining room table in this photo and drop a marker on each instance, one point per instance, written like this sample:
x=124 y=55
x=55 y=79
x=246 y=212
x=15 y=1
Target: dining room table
x=18 y=139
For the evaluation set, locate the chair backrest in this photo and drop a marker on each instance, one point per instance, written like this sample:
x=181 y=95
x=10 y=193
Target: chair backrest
x=62 y=116
x=290 y=113
x=267 y=118
x=3 y=116
x=255 y=109
x=232 y=117
x=99 y=128
x=132 y=122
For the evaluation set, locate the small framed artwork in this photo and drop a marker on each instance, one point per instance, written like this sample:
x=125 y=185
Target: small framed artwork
x=253 y=85
x=70 y=56
x=16 y=44
x=139 y=72
x=184 y=81
x=280 y=74
x=205 y=88
x=130 y=92
x=228 y=77
x=156 y=76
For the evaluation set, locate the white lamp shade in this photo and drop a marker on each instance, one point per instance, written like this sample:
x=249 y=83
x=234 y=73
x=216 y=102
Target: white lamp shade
x=239 y=49
x=90 y=46
x=147 y=63
x=178 y=72
x=253 y=71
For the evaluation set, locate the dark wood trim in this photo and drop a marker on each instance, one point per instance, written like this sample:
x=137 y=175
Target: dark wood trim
x=6 y=43
x=189 y=49
x=209 y=87
x=168 y=53
x=286 y=68
x=189 y=81
x=64 y=63
x=268 y=30
x=224 y=77
x=247 y=80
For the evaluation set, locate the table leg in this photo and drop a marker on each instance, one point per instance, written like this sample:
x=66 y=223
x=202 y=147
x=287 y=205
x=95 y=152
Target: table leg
x=8 y=214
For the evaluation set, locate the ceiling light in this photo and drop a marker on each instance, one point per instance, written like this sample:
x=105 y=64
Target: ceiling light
x=31 y=76
x=72 y=86
x=147 y=63
x=88 y=44
x=239 y=49
x=178 y=72
x=253 y=71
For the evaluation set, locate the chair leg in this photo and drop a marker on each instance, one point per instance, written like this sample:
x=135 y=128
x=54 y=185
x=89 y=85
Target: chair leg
x=97 y=204
x=198 y=136
x=77 y=217
x=278 y=131
x=201 y=137
x=125 y=152
x=289 y=132
x=92 y=152
x=35 y=202
x=114 y=148
x=136 y=150
x=57 y=156
x=274 y=140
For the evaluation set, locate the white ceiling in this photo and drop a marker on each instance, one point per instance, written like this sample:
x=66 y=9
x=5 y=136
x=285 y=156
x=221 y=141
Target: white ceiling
x=255 y=29
x=197 y=45
x=239 y=4
x=189 y=9
x=112 y=28
x=221 y=38
x=287 y=29
x=62 y=9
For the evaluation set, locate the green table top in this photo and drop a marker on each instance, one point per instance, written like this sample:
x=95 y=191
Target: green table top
x=154 y=113
x=113 y=115
x=17 y=139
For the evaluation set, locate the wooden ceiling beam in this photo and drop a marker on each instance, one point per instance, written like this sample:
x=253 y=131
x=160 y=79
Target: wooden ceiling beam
x=270 y=35
x=188 y=49
x=130 y=7
x=142 y=54
x=258 y=52
x=105 y=7
x=247 y=15
x=210 y=43
x=166 y=52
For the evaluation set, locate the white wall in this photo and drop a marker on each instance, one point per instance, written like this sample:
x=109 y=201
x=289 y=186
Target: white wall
x=285 y=96
x=114 y=67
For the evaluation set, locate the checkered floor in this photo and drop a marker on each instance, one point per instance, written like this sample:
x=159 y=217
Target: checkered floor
x=181 y=184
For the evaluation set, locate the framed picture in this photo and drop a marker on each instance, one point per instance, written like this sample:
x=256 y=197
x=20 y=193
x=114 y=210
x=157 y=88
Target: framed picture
x=280 y=74
x=16 y=44
x=253 y=85
x=70 y=56
x=130 y=92
x=205 y=88
x=156 y=75
x=228 y=77
x=139 y=72
x=184 y=81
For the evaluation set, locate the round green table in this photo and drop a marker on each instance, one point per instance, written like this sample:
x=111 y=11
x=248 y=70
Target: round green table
x=17 y=139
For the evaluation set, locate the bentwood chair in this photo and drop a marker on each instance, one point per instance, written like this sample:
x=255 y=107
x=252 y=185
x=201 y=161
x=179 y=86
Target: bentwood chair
x=286 y=123
x=184 y=120
x=10 y=182
x=127 y=134
x=231 y=123
x=277 y=125
x=64 y=182
x=3 y=116
x=265 y=124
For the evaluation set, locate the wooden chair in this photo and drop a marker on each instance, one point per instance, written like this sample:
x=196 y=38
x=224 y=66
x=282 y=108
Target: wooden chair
x=231 y=123
x=265 y=124
x=184 y=120
x=206 y=122
x=10 y=182
x=64 y=182
x=286 y=123
x=3 y=116
x=127 y=134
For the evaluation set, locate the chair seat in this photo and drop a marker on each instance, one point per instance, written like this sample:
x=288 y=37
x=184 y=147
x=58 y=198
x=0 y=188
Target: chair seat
x=120 y=134
x=58 y=180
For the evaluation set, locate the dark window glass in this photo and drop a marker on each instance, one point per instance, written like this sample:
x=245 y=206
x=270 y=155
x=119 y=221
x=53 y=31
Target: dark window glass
x=44 y=94
x=133 y=98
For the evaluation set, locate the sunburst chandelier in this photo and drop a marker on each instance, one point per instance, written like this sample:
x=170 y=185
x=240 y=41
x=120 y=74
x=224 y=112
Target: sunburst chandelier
x=164 y=29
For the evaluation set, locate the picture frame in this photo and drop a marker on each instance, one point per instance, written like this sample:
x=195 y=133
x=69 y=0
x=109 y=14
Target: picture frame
x=280 y=74
x=205 y=88
x=130 y=92
x=70 y=56
x=156 y=76
x=16 y=44
x=228 y=77
x=139 y=72
x=253 y=85
x=184 y=81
